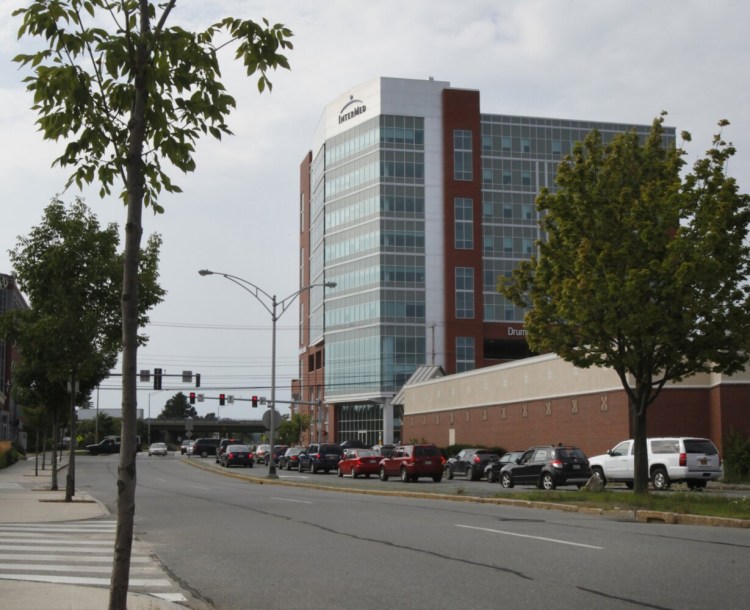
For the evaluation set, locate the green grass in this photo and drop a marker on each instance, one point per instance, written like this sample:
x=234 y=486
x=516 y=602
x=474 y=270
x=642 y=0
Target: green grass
x=689 y=503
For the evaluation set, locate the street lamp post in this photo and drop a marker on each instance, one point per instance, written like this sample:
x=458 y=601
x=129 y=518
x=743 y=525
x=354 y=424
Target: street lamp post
x=276 y=309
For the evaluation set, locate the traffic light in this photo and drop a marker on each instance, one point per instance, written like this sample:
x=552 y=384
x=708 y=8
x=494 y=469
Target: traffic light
x=255 y=401
x=221 y=400
x=157 y=379
x=197 y=380
x=192 y=398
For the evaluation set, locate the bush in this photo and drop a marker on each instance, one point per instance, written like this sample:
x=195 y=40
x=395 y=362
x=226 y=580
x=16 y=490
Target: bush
x=736 y=458
x=10 y=456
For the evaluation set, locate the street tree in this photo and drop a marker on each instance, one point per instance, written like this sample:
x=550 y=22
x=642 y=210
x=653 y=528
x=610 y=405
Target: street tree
x=70 y=337
x=643 y=270
x=291 y=429
x=178 y=407
x=126 y=99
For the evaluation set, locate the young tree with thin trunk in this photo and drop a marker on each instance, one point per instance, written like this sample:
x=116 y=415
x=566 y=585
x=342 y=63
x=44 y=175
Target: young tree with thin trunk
x=126 y=99
x=643 y=270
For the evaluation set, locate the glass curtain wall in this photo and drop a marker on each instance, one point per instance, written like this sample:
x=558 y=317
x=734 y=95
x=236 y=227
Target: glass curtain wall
x=374 y=251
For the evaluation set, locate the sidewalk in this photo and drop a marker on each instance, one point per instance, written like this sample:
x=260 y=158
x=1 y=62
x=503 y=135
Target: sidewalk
x=25 y=498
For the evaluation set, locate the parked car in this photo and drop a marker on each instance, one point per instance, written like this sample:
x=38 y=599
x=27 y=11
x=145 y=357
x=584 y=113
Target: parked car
x=205 y=446
x=290 y=458
x=384 y=450
x=278 y=451
x=320 y=456
x=548 y=467
x=470 y=462
x=411 y=462
x=259 y=455
x=186 y=447
x=693 y=461
x=223 y=444
x=237 y=455
x=359 y=462
x=157 y=449
x=492 y=470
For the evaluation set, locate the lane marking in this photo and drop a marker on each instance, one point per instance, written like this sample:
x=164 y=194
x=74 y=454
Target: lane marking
x=542 y=538
x=289 y=500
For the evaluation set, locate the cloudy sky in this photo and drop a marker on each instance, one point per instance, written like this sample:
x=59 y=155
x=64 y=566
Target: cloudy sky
x=609 y=60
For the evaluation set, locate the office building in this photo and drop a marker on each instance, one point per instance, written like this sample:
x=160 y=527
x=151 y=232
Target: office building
x=413 y=201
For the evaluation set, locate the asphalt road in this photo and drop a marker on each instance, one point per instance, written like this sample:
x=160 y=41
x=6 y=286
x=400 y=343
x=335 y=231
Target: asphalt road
x=239 y=545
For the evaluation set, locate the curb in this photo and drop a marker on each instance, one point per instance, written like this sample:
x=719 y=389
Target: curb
x=639 y=516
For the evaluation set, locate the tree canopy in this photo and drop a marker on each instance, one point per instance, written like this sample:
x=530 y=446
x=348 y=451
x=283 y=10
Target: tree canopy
x=178 y=407
x=643 y=270
x=126 y=92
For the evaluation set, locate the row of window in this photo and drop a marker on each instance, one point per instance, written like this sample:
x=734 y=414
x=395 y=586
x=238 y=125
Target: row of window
x=404 y=201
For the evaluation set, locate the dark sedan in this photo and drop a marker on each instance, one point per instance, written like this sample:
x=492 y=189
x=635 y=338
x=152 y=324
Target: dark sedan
x=492 y=470
x=237 y=455
x=290 y=459
x=470 y=462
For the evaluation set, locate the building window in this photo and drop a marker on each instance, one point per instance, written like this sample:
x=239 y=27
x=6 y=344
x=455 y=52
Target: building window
x=465 y=293
x=462 y=157
x=464 y=354
x=464 y=217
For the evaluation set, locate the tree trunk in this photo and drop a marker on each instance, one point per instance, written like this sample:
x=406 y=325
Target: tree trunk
x=638 y=413
x=55 y=440
x=126 y=473
x=70 y=479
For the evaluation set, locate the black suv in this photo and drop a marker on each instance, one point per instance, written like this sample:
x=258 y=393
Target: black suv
x=206 y=446
x=223 y=444
x=547 y=467
x=320 y=456
x=470 y=462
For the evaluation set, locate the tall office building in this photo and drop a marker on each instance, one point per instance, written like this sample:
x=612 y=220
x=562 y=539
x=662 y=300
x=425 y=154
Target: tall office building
x=413 y=202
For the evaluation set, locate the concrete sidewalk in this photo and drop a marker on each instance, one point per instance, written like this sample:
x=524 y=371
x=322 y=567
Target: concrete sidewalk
x=25 y=498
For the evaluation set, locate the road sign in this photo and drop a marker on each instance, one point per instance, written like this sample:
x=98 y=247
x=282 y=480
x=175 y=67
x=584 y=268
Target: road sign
x=267 y=418
x=200 y=397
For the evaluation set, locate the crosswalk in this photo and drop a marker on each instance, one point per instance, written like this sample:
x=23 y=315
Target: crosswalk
x=77 y=553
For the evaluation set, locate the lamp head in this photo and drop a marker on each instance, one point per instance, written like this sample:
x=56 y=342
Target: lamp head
x=330 y=284
x=205 y=272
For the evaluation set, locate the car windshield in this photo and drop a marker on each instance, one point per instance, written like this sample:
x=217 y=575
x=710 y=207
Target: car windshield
x=158 y=445
x=238 y=448
x=365 y=453
x=570 y=454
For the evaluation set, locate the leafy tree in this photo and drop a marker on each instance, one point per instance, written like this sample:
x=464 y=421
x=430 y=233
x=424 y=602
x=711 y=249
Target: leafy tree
x=70 y=269
x=126 y=99
x=643 y=271
x=178 y=407
x=290 y=430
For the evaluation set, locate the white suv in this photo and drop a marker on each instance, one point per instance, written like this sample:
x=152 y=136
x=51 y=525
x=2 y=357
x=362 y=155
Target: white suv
x=670 y=460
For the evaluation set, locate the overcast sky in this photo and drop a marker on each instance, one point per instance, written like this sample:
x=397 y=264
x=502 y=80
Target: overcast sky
x=608 y=60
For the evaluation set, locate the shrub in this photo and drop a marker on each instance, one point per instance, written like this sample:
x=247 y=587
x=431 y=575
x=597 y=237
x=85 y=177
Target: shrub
x=736 y=457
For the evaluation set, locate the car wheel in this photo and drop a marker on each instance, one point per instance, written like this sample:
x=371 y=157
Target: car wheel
x=506 y=480
x=204 y=453
x=491 y=477
x=548 y=482
x=660 y=479
x=469 y=474
x=448 y=473
x=339 y=472
x=629 y=484
x=383 y=475
x=696 y=484
x=599 y=474
x=313 y=468
x=404 y=475
x=354 y=474
x=437 y=478
x=288 y=465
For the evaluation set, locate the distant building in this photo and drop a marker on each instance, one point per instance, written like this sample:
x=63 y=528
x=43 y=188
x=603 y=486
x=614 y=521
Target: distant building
x=10 y=418
x=414 y=202
x=87 y=414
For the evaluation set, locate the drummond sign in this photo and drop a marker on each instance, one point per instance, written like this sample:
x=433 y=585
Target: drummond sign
x=353 y=108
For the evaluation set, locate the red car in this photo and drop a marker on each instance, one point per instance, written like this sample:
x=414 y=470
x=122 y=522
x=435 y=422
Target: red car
x=413 y=461
x=359 y=461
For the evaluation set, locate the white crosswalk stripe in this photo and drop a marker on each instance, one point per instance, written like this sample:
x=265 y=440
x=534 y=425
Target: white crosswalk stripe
x=77 y=553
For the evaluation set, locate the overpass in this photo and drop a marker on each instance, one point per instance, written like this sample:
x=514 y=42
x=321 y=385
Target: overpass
x=173 y=430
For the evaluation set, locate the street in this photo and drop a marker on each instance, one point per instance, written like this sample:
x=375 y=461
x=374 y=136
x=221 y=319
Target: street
x=240 y=545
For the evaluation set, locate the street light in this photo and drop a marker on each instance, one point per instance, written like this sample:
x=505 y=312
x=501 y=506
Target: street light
x=271 y=305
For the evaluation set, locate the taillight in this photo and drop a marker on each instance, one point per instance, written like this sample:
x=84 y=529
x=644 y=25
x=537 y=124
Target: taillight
x=556 y=464
x=683 y=459
x=477 y=460
x=317 y=456
x=230 y=455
